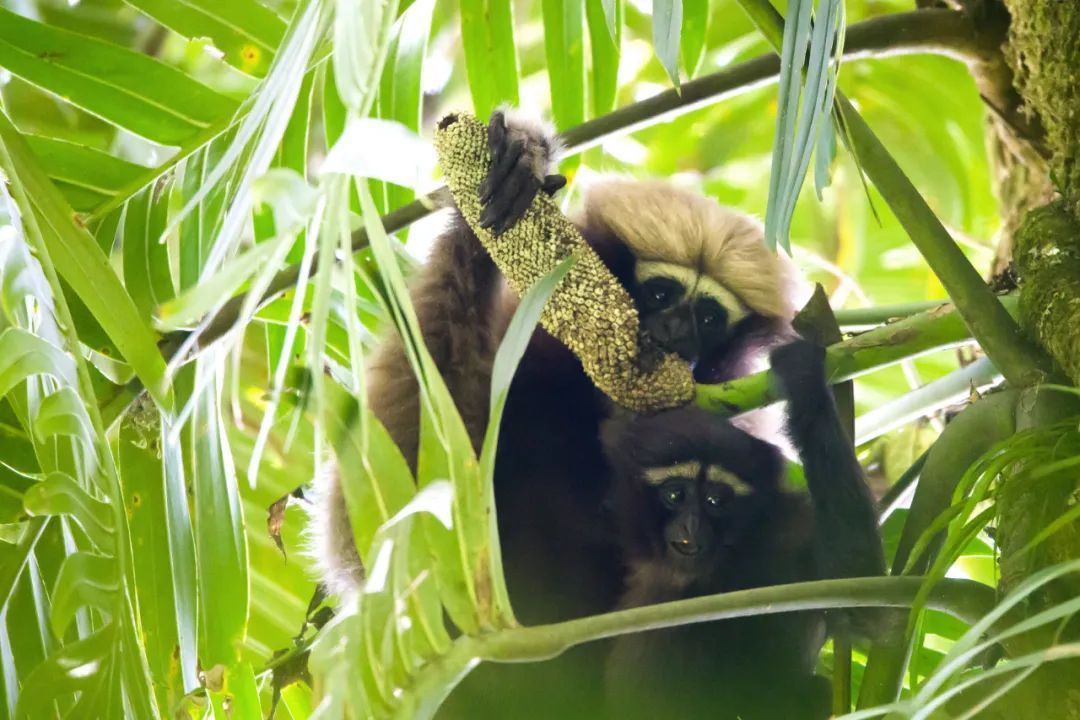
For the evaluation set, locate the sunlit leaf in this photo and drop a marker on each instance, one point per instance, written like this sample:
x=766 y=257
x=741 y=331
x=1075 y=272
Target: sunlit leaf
x=564 y=45
x=81 y=262
x=128 y=88
x=246 y=32
x=147 y=274
x=667 y=24
x=383 y=150
x=694 y=28
x=58 y=494
x=605 y=39
x=487 y=34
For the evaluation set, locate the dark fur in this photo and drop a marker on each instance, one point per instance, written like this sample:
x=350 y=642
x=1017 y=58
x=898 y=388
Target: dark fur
x=760 y=667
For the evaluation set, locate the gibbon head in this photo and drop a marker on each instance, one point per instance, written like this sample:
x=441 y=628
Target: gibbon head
x=702 y=278
x=688 y=487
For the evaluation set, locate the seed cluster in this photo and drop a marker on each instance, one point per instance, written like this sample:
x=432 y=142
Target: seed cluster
x=590 y=311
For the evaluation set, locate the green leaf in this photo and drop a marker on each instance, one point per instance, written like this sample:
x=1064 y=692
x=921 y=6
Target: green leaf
x=86 y=581
x=361 y=41
x=146 y=256
x=23 y=355
x=666 y=25
x=80 y=261
x=487 y=34
x=220 y=543
x=196 y=232
x=195 y=302
x=511 y=350
x=181 y=551
x=58 y=493
x=605 y=43
x=796 y=38
x=564 y=44
x=143 y=479
x=127 y=88
x=64 y=413
x=74 y=668
x=77 y=167
x=612 y=17
x=401 y=94
x=695 y=26
x=245 y=31
x=245 y=694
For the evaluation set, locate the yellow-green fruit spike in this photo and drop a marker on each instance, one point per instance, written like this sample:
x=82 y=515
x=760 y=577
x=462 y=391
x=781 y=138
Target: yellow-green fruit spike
x=590 y=311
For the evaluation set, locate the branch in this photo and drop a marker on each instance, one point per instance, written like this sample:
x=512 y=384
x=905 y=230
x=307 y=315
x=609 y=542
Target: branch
x=934 y=329
x=944 y=32
x=964 y=599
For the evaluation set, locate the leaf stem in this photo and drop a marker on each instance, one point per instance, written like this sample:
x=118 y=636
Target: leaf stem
x=935 y=329
x=963 y=599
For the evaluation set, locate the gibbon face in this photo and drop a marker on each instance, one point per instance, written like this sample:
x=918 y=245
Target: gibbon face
x=689 y=488
x=686 y=312
x=700 y=513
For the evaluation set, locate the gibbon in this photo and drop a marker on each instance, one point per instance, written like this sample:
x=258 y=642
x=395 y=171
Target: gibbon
x=706 y=287
x=701 y=509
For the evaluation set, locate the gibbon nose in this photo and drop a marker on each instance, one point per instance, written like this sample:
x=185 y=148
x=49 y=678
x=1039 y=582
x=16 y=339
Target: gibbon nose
x=685 y=541
x=675 y=332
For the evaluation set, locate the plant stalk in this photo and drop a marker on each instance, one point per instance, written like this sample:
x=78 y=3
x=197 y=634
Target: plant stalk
x=934 y=329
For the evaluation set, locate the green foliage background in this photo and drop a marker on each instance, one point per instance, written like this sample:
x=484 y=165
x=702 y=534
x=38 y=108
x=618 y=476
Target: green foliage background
x=161 y=157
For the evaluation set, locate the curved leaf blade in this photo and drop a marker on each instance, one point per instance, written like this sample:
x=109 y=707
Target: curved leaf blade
x=81 y=262
x=245 y=31
x=667 y=27
x=564 y=45
x=129 y=89
x=605 y=45
x=487 y=34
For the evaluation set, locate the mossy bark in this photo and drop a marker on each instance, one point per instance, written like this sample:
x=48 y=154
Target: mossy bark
x=1047 y=258
x=1043 y=50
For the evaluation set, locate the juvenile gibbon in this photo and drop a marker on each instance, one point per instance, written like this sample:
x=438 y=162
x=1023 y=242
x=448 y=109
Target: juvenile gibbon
x=701 y=509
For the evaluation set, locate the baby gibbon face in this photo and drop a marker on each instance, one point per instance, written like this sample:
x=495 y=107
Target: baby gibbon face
x=700 y=512
x=686 y=312
x=688 y=487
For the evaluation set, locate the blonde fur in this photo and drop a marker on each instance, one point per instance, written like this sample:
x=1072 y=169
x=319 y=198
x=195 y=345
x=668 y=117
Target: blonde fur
x=662 y=222
x=329 y=536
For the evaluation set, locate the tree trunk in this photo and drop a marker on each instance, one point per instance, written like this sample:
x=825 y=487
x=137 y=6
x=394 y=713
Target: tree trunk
x=1043 y=50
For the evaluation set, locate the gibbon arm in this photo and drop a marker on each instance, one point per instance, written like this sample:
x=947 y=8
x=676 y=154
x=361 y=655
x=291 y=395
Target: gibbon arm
x=456 y=299
x=846 y=528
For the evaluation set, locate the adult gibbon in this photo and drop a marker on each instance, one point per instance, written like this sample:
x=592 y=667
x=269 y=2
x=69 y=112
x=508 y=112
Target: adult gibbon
x=701 y=510
x=706 y=287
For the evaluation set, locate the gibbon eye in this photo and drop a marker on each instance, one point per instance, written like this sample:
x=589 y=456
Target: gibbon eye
x=672 y=495
x=710 y=314
x=713 y=500
x=659 y=295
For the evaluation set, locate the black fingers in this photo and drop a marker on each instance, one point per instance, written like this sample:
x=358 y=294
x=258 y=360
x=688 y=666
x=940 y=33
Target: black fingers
x=511 y=183
x=503 y=163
